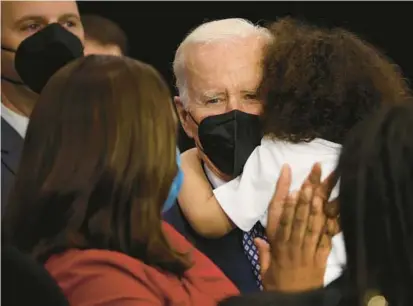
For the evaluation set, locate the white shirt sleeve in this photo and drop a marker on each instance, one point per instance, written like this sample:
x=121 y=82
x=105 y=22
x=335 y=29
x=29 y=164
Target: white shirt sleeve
x=246 y=198
x=336 y=260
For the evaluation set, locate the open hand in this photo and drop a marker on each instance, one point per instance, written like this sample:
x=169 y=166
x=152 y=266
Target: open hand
x=300 y=228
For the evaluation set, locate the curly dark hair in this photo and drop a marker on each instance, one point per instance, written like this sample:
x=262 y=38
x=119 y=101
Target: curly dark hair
x=319 y=82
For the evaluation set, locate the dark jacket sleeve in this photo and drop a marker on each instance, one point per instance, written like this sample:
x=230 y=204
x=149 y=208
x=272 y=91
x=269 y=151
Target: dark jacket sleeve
x=317 y=298
x=7 y=180
x=11 y=148
x=226 y=252
x=334 y=294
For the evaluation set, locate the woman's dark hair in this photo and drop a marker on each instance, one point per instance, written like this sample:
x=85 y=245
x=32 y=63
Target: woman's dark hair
x=98 y=161
x=318 y=83
x=376 y=203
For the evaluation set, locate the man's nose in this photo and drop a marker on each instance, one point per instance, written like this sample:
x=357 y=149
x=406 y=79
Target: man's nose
x=233 y=104
x=52 y=20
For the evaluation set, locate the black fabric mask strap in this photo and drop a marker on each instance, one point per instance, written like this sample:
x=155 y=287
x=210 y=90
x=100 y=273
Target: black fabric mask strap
x=6 y=78
x=8 y=49
x=197 y=124
x=12 y=81
x=193 y=119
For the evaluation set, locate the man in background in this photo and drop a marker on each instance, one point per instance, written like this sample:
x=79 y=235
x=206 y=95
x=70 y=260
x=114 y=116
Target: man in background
x=37 y=38
x=103 y=36
x=217 y=70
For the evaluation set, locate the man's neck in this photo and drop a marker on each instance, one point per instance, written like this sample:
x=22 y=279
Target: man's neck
x=18 y=98
x=213 y=179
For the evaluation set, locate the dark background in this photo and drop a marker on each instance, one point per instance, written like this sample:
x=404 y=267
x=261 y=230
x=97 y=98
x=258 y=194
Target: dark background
x=156 y=28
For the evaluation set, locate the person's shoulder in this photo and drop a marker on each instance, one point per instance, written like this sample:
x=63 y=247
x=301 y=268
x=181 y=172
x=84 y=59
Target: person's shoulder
x=267 y=151
x=177 y=239
x=275 y=147
x=88 y=276
x=93 y=261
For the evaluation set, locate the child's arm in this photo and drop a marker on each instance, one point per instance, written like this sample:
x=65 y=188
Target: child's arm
x=198 y=202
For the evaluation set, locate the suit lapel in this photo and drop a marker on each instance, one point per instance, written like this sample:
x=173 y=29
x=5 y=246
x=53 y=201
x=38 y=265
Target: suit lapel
x=11 y=146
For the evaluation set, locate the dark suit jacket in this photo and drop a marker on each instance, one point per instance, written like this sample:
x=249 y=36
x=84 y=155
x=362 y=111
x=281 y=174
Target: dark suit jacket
x=335 y=294
x=27 y=282
x=226 y=252
x=11 y=147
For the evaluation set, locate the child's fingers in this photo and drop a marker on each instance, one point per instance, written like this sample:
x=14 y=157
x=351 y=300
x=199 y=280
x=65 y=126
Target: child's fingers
x=275 y=208
x=263 y=253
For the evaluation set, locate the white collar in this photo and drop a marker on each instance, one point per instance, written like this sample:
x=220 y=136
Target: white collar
x=213 y=179
x=16 y=121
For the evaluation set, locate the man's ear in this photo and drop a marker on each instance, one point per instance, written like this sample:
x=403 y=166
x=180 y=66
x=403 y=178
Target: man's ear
x=184 y=117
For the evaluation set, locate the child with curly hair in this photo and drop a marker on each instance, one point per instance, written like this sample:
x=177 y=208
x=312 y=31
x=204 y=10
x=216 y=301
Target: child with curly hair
x=317 y=84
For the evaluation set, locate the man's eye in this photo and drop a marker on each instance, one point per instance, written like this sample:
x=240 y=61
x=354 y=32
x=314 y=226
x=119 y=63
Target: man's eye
x=213 y=101
x=251 y=96
x=32 y=27
x=69 y=24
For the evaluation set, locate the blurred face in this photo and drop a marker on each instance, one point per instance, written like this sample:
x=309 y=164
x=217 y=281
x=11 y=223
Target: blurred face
x=21 y=19
x=221 y=77
x=93 y=47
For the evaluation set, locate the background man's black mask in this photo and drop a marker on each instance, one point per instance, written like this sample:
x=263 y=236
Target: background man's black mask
x=229 y=139
x=40 y=55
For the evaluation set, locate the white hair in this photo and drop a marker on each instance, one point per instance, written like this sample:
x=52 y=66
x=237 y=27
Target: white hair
x=210 y=32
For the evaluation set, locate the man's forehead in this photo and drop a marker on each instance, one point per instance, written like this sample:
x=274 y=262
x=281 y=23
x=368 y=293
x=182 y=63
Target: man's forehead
x=16 y=11
x=93 y=47
x=212 y=60
x=223 y=51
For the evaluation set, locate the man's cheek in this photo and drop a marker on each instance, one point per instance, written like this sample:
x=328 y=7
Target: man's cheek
x=254 y=109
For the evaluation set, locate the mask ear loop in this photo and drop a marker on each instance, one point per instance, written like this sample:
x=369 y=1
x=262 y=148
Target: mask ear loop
x=8 y=49
x=14 y=82
x=6 y=78
x=197 y=124
x=193 y=119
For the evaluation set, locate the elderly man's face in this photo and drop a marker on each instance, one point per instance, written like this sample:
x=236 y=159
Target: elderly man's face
x=221 y=77
x=21 y=19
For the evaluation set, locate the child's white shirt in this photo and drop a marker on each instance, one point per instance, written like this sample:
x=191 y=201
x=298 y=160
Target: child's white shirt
x=245 y=199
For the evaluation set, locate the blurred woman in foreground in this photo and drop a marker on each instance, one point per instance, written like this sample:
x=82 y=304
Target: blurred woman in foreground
x=98 y=166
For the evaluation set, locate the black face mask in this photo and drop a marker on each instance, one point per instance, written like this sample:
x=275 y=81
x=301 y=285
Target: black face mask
x=229 y=139
x=40 y=55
